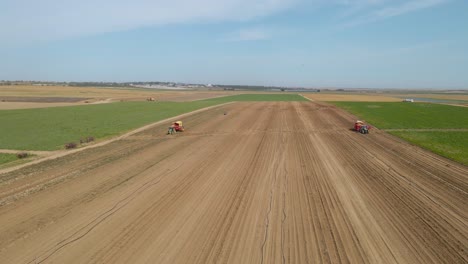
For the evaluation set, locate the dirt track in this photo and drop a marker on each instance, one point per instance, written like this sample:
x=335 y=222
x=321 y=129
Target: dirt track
x=266 y=183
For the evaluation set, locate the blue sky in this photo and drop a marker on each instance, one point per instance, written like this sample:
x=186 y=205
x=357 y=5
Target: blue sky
x=315 y=43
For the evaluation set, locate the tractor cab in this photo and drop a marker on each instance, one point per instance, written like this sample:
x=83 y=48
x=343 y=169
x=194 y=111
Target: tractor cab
x=364 y=129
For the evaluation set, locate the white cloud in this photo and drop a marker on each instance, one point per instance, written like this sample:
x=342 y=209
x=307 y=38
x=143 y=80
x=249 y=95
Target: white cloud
x=248 y=34
x=29 y=20
x=406 y=7
x=368 y=11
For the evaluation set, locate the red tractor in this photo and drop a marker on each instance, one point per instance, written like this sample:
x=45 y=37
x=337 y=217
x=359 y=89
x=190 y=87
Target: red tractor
x=175 y=127
x=362 y=128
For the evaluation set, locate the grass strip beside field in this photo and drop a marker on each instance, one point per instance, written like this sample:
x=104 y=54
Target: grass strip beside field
x=258 y=98
x=51 y=128
x=398 y=115
x=6 y=157
x=450 y=144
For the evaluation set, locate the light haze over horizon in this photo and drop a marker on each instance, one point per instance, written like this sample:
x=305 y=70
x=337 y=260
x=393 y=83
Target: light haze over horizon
x=315 y=43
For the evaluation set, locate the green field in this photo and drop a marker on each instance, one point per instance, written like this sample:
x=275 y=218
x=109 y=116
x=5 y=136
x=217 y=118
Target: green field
x=259 y=97
x=51 y=128
x=5 y=158
x=451 y=144
x=409 y=117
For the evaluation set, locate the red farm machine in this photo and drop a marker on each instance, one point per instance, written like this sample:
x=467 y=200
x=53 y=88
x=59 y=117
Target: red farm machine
x=175 y=127
x=362 y=128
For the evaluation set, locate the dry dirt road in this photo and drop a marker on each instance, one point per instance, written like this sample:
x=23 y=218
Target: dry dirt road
x=269 y=182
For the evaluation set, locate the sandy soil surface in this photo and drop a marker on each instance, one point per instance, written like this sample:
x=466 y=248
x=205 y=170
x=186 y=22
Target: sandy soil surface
x=22 y=101
x=269 y=182
x=351 y=97
x=24 y=96
x=69 y=91
x=26 y=105
x=383 y=97
x=437 y=96
x=460 y=105
x=31 y=99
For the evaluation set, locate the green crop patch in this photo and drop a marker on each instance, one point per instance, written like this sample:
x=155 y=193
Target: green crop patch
x=451 y=144
x=413 y=122
x=408 y=115
x=6 y=157
x=52 y=128
x=258 y=98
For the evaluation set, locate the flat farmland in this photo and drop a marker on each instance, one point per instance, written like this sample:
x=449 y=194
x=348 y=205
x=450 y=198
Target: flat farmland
x=269 y=182
x=29 y=96
x=444 y=98
x=355 y=97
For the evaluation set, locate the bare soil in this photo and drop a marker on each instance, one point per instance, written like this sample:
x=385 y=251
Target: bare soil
x=276 y=182
x=41 y=99
x=23 y=102
x=28 y=96
x=438 y=96
x=379 y=97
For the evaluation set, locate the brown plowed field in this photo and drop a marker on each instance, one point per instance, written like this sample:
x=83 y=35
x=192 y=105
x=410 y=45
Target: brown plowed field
x=269 y=182
x=27 y=96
